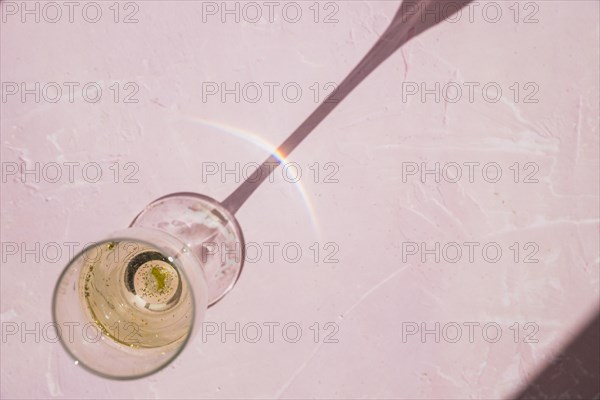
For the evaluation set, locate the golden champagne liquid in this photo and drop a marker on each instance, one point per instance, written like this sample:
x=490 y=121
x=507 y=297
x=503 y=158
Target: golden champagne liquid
x=135 y=294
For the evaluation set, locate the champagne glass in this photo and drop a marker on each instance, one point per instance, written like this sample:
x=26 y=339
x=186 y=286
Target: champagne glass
x=126 y=306
x=131 y=302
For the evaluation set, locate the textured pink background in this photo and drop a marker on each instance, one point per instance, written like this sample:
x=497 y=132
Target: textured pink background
x=369 y=213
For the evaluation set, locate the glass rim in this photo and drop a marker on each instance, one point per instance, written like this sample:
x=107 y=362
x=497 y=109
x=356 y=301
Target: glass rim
x=178 y=350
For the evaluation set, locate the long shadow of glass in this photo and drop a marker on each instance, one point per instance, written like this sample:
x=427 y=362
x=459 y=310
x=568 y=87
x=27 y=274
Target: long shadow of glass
x=574 y=373
x=409 y=21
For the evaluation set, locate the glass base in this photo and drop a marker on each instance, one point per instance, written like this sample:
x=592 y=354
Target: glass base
x=210 y=231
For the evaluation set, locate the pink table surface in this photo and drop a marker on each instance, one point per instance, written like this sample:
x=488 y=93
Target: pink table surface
x=371 y=208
